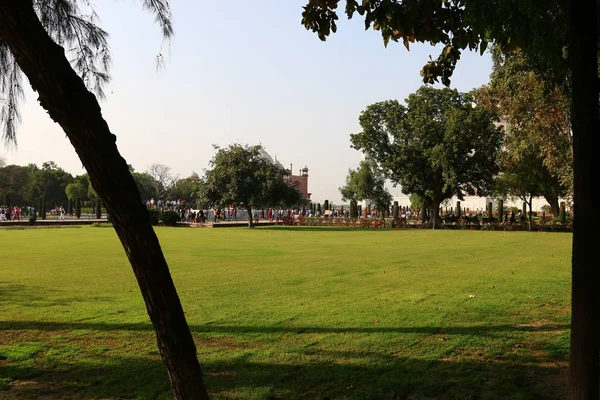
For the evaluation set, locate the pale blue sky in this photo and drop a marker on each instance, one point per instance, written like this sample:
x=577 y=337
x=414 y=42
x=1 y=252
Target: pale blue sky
x=240 y=71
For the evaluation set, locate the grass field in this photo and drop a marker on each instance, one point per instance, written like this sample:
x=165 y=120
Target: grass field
x=292 y=313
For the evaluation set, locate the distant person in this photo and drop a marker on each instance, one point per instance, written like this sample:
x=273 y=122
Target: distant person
x=62 y=213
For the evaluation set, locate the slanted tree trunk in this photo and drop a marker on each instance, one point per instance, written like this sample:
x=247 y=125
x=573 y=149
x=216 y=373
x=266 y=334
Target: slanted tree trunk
x=585 y=121
x=63 y=94
x=435 y=221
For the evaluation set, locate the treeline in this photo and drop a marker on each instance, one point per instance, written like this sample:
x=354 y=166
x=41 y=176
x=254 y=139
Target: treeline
x=26 y=185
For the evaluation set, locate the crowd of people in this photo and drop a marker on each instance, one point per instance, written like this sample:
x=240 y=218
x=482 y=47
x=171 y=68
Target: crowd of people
x=10 y=213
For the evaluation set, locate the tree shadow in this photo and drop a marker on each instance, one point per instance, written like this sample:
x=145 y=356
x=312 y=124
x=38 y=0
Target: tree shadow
x=344 y=375
x=32 y=296
x=478 y=330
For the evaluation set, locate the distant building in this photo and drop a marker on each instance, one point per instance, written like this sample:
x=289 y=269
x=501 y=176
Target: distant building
x=300 y=180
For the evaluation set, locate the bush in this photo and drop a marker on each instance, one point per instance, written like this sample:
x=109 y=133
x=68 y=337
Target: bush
x=153 y=216
x=170 y=218
x=33 y=219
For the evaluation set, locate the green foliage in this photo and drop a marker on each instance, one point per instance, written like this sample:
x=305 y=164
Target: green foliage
x=537 y=27
x=33 y=219
x=185 y=189
x=562 y=216
x=78 y=207
x=436 y=146
x=326 y=205
x=458 y=212
x=500 y=209
x=6 y=201
x=537 y=119
x=240 y=175
x=153 y=215
x=42 y=207
x=76 y=190
x=169 y=218
x=367 y=183
x=50 y=181
x=14 y=181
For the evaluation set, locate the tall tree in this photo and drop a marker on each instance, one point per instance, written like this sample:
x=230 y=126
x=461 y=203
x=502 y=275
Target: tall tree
x=162 y=180
x=50 y=181
x=535 y=113
x=367 y=183
x=14 y=181
x=240 y=175
x=437 y=146
x=32 y=36
x=561 y=39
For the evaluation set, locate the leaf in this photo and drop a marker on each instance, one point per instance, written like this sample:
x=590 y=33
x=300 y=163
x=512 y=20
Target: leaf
x=483 y=47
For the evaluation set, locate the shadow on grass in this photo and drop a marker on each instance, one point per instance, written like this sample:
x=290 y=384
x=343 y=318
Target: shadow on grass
x=483 y=330
x=31 y=296
x=323 y=228
x=344 y=374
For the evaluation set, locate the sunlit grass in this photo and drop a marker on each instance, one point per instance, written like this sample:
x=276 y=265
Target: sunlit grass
x=289 y=313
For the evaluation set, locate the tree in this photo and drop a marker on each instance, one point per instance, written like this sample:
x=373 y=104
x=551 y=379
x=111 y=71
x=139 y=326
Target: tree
x=561 y=39
x=240 y=175
x=367 y=183
x=14 y=181
x=538 y=117
x=437 y=146
x=76 y=190
x=525 y=175
x=32 y=34
x=185 y=189
x=50 y=181
x=161 y=180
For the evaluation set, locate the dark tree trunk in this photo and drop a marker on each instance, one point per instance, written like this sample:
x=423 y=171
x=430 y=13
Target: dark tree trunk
x=585 y=296
x=435 y=221
x=63 y=94
x=552 y=200
x=250 y=217
x=530 y=204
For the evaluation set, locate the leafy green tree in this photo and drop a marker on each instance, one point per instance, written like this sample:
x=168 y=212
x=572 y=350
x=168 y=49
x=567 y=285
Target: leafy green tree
x=367 y=183
x=536 y=118
x=239 y=175
x=185 y=189
x=437 y=146
x=525 y=175
x=50 y=181
x=561 y=40
x=33 y=39
x=76 y=190
x=14 y=181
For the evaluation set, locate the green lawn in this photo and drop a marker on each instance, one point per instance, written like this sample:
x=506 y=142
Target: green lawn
x=285 y=313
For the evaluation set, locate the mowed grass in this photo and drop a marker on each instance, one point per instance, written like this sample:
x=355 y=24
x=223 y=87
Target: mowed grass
x=292 y=313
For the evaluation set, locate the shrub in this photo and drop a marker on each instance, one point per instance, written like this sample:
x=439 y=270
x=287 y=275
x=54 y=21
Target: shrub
x=169 y=218
x=32 y=219
x=98 y=209
x=78 y=207
x=153 y=216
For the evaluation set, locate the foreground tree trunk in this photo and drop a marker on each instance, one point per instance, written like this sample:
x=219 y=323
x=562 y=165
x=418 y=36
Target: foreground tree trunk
x=63 y=94
x=585 y=120
x=435 y=221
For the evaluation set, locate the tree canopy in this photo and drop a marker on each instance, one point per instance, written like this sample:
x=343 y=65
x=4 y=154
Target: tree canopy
x=239 y=175
x=438 y=145
x=367 y=182
x=536 y=117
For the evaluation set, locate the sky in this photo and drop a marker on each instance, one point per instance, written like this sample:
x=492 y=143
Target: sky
x=240 y=72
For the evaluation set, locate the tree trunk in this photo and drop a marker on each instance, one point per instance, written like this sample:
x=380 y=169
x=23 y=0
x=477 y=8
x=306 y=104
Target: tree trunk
x=552 y=200
x=435 y=221
x=530 y=204
x=63 y=94
x=585 y=296
x=250 y=217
